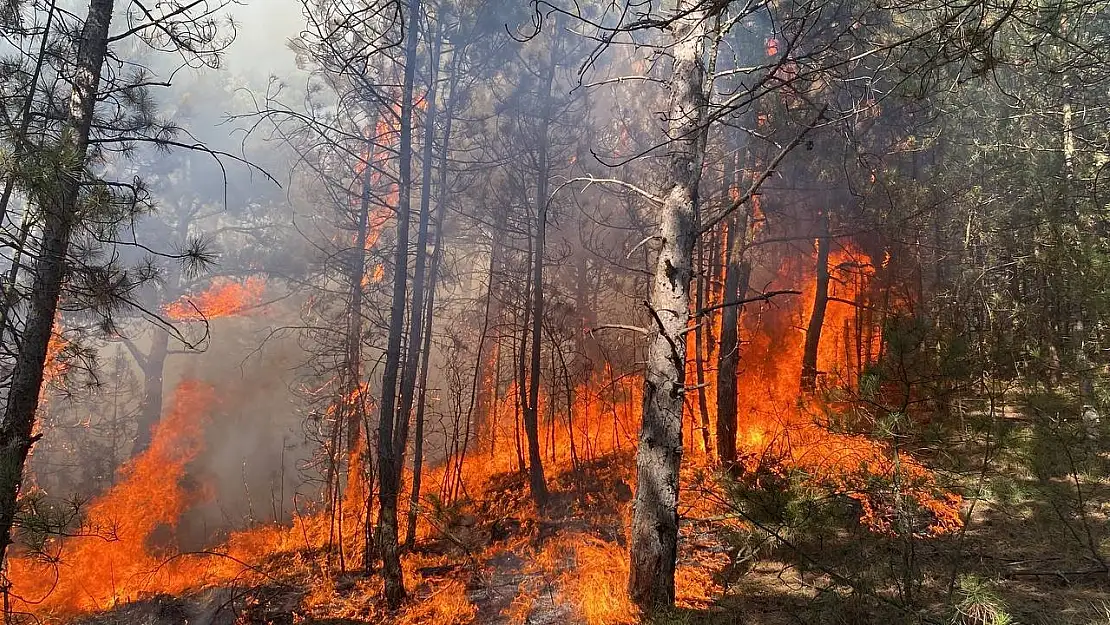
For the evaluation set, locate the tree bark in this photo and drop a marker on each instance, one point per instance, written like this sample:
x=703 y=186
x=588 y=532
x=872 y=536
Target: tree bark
x=433 y=277
x=536 y=480
x=153 y=365
x=728 y=358
x=416 y=314
x=388 y=454
x=60 y=215
x=358 y=461
x=701 y=351
x=654 y=545
x=820 y=303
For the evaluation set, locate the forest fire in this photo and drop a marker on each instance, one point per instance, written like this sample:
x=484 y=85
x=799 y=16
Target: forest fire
x=684 y=311
x=128 y=531
x=112 y=558
x=225 y=298
x=783 y=427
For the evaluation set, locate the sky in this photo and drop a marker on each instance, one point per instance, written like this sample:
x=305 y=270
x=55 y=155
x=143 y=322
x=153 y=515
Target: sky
x=264 y=28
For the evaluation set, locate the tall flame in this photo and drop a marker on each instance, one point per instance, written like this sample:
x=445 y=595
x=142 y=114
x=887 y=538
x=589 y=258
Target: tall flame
x=110 y=559
x=588 y=420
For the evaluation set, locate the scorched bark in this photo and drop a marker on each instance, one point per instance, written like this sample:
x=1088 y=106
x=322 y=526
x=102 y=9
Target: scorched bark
x=654 y=545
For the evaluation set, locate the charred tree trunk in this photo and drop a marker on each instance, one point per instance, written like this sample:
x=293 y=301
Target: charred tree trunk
x=419 y=288
x=701 y=350
x=484 y=383
x=728 y=358
x=389 y=453
x=153 y=365
x=654 y=545
x=357 y=459
x=820 y=303
x=433 y=277
x=536 y=480
x=522 y=365
x=60 y=215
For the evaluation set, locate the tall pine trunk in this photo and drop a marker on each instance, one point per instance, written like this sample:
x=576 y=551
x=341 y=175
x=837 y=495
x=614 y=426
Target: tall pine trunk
x=389 y=455
x=536 y=479
x=426 y=341
x=357 y=459
x=728 y=358
x=654 y=545
x=416 y=310
x=701 y=352
x=60 y=215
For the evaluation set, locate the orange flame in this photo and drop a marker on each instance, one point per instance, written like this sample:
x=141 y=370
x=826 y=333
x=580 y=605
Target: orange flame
x=225 y=298
x=109 y=561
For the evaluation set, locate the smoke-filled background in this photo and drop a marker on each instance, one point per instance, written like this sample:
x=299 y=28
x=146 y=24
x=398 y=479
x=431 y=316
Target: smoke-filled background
x=385 y=312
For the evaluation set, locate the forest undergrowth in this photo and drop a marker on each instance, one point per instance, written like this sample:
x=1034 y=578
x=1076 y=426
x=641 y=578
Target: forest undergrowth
x=759 y=547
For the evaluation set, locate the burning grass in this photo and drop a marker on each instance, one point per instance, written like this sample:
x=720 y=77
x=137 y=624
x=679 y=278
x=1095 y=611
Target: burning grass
x=114 y=557
x=571 y=558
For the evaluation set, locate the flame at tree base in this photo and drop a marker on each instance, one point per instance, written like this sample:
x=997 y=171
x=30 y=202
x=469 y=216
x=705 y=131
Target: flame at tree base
x=125 y=550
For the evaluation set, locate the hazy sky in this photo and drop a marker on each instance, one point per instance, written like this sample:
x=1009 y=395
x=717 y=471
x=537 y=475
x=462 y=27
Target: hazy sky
x=264 y=27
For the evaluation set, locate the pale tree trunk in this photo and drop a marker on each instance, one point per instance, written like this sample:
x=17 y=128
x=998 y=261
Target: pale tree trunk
x=388 y=452
x=820 y=303
x=654 y=545
x=59 y=218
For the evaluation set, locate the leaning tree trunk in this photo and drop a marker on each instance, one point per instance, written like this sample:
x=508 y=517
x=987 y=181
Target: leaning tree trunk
x=389 y=454
x=654 y=545
x=60 y=214
x=820 y=303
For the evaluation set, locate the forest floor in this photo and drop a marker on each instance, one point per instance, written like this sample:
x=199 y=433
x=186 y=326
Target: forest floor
x=495 y=561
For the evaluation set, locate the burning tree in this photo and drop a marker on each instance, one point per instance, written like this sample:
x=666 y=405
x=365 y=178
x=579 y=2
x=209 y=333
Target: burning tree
x=797 y=68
